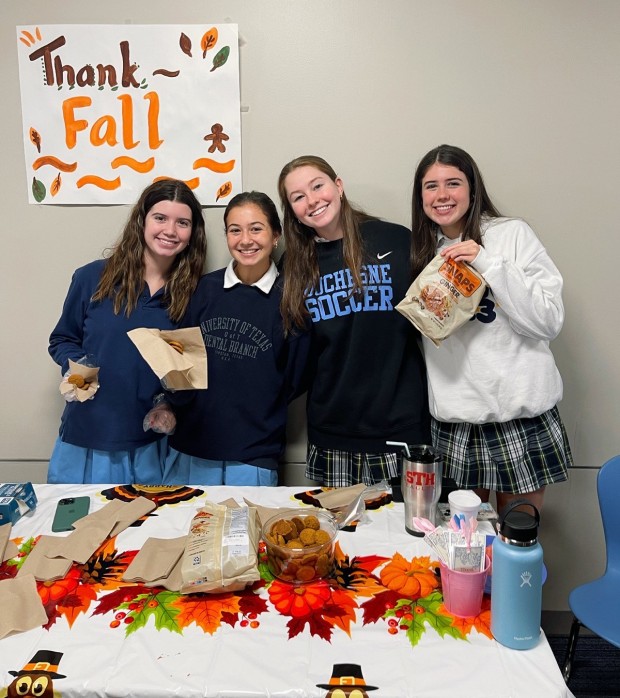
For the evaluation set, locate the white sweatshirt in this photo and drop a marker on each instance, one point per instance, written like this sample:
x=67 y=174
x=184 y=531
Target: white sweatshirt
x=498 y=366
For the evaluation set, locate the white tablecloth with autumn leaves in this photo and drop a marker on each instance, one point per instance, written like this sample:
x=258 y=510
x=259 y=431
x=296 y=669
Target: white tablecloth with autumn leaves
x=390 y=632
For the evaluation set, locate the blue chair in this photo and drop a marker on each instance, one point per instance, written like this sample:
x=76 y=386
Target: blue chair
x=596 y=604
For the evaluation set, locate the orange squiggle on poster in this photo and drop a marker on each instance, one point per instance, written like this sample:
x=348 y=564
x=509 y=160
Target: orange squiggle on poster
x=107 y=184
x=214 y=165
x=55 y=163
x=136 y=165
x=191 y=183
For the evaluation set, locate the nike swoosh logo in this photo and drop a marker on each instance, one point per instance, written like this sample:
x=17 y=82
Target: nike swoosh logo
x=385 y=254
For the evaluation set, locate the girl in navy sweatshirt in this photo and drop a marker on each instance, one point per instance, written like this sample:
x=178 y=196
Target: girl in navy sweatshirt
x=233 y=432
x=145 y=282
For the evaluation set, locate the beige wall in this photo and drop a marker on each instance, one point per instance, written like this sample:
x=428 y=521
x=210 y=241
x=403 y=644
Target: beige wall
x=530 y=88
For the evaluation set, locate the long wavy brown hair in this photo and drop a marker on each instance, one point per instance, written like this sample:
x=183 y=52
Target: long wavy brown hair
x=122 y=279
x=300 y=263
x=424 y=230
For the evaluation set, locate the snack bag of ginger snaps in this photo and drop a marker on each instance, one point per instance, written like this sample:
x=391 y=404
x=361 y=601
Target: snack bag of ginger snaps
x=444 y=296
x=221 y=552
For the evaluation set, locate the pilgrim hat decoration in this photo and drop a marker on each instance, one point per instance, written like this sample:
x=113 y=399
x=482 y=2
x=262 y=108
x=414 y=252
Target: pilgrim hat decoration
x=347 y=675
x=43 y=662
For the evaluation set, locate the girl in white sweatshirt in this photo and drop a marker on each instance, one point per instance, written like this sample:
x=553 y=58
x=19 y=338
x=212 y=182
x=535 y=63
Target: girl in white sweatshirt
x=493 y=384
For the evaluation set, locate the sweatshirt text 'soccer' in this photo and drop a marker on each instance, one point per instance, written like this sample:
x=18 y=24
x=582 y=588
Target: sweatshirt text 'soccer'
x=368 y=382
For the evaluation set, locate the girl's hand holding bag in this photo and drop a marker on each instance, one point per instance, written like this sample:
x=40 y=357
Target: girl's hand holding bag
x=444 y=296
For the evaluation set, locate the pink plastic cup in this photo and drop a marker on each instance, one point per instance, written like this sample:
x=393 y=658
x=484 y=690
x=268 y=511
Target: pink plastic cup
x=463 y=591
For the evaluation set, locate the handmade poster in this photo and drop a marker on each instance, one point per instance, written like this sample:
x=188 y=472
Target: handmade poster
x=108 y=109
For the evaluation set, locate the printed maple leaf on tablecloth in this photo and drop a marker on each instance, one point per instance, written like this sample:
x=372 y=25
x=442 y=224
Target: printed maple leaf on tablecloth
x=74 y=603
x=341 y=613
x=113 y=600
x=207 y=612
x=158 y=605
x=482 y=622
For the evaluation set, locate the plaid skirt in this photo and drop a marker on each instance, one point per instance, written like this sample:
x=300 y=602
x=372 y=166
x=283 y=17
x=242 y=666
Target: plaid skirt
x=518 y=456
x=342 y=468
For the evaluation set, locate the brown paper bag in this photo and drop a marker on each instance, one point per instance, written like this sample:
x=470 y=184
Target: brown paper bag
x=345 y=503
x=184 y=371
x=445 y=295
x=8 y=549
x=172 y=581
x=156 y=559
x=21 y=606
x=340 y=496
x=91 y=382
x=43 y=563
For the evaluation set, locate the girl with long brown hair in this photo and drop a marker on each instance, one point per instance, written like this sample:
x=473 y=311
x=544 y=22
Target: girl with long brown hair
x=146 y=281
x=345 y=270
x=493 y=384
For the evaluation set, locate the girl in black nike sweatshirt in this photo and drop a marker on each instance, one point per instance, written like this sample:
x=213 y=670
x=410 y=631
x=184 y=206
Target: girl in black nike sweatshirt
x=346 y=271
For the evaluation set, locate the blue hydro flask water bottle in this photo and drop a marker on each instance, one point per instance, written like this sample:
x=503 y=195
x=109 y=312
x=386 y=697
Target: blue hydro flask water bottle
x=516 y=583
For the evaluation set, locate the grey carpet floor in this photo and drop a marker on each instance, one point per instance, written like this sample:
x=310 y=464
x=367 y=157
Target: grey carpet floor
x=596 y=667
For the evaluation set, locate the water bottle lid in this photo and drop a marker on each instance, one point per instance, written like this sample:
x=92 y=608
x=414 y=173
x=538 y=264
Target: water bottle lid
x=519 y=525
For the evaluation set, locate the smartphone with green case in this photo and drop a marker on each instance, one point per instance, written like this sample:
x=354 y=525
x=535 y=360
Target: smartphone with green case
x=68 y=511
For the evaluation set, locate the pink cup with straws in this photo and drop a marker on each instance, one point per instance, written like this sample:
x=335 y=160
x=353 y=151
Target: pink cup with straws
x=463 y=591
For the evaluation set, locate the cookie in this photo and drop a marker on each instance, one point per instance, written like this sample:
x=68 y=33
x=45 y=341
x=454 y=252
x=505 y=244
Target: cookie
x=176 y=345
x=77 y=380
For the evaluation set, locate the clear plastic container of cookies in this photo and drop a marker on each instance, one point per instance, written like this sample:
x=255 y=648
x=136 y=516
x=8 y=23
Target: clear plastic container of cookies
x=300 y=545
